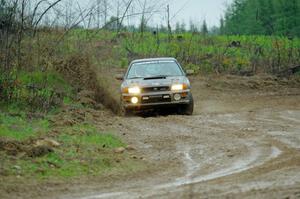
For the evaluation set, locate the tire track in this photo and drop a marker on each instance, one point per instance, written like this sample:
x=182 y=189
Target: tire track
x=260 y=148
x=255 y=158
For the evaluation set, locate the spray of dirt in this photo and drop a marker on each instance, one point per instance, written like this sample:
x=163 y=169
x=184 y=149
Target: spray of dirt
x=109 y=91
x=79 y=71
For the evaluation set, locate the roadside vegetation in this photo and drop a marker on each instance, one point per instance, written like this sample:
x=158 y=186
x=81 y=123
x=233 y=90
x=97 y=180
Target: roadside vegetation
x=60 y=145
x=77 y=150
x=247 y=55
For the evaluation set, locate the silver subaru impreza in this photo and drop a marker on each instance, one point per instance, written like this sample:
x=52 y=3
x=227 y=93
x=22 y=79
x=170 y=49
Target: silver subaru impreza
x=156 y=83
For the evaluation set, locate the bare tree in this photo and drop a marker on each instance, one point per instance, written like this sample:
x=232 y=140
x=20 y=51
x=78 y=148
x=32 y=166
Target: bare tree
x=105 y=10
x=124 y=14
x=43 y=14
x=168 y=24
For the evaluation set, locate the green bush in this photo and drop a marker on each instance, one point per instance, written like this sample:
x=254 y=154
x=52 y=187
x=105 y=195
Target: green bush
x=37 y=90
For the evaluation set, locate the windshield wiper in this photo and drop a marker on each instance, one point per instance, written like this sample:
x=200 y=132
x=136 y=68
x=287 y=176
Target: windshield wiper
x=136 y=77
x=156 y=77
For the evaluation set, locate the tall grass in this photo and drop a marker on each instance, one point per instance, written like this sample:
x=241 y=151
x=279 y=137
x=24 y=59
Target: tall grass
x=218 y=53
x=203 y=53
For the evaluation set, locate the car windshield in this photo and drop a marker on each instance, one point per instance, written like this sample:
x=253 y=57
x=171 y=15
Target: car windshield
x=154 y=69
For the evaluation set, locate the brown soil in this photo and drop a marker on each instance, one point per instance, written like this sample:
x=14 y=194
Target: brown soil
x=28 y=148
x=242 y=142
x=11 y=147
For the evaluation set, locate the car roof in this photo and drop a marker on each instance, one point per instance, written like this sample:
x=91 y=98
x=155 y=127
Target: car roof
x=154 y=59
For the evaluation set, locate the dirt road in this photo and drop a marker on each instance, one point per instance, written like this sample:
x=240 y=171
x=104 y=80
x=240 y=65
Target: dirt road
x=242 y=142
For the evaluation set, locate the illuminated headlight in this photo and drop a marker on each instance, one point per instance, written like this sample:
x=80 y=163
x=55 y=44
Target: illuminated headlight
x=177 y=87
x=134 y=90
x=134 y=100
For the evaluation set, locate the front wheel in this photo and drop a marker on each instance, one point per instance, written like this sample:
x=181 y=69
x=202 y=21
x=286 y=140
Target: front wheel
x=126 y=112
x=188 y=109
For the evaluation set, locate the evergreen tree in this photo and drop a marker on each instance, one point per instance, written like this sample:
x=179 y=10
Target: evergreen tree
x=204 y=29
x=268 y=17
x=215 y=30
x=193 y=27
x=112 y=24
x=177 y=28
x=222 y=28
x=183 y=27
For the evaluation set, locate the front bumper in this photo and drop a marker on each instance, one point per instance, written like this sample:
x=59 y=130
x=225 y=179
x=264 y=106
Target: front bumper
x=156 y=99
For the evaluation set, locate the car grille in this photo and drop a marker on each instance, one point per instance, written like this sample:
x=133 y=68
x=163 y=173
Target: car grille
x=156 y=99
x=155 y=89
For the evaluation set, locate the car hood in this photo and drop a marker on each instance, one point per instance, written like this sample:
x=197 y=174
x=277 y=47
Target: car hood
x=168 y=81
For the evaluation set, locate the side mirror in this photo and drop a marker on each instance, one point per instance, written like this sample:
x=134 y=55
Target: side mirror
x=119 y=77
x=190 y=72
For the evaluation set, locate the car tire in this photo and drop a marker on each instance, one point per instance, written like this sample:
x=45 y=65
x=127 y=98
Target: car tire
x=188 y=109
x=125 y=111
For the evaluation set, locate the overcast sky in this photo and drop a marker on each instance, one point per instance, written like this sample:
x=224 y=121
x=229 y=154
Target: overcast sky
x=180 y=11
x=198 y=10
